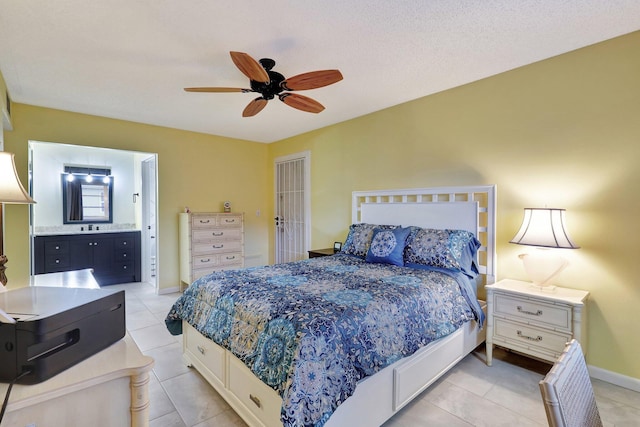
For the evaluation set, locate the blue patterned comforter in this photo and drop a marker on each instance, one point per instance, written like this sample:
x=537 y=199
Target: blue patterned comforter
x=312 y=329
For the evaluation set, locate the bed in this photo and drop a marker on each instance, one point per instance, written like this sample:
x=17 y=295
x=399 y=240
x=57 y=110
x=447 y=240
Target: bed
x=349 y=339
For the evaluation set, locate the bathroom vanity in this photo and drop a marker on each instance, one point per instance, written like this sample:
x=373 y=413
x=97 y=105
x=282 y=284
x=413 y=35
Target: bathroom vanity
x=113 y=256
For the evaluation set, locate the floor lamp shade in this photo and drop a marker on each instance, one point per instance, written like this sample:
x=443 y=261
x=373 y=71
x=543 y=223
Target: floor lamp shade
x=11 y=191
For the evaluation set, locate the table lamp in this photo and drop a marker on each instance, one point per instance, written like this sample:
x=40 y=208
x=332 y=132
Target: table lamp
x=11 y=191
x=544 y=228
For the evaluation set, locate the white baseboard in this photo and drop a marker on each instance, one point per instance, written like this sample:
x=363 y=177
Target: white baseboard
x=168 y=290
x=614 y=378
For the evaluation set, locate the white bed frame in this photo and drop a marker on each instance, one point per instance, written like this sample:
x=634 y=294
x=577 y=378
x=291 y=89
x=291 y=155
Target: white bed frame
x=379 y=397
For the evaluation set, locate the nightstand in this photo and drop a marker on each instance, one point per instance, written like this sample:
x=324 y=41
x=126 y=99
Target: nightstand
x=315 y=253
x=537 y=323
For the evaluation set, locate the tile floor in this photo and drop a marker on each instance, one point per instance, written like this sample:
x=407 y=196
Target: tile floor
x=471 y=394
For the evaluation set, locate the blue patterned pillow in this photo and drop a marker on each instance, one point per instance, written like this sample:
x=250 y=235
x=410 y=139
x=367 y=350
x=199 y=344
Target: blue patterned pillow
x=359 y=238
x=451 y=249
x=387 y=246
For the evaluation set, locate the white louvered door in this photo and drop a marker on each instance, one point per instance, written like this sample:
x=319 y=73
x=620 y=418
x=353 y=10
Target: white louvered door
x=292 y=207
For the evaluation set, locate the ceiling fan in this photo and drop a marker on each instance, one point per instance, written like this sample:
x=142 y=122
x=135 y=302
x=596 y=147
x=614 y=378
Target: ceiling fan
x=269 y=84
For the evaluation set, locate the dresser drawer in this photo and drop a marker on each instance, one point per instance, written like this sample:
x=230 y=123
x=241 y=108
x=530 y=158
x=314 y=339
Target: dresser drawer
x=234 y=258
x=229 y=220
x=199 y=272
x=217 y=234
x=206 y=351
x=205 y=261
x=258 y=397
x=217 y=247
x=534 y=311
x=203 y=221
x=529 y=336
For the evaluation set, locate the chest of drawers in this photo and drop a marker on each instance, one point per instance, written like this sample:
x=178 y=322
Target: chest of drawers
x=210 y=242
x=534 y=322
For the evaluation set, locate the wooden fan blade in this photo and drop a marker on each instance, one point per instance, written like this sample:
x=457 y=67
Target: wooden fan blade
x=215 y=89
x=312 y=80
x=250 y=67
x=254 y=107
x=300 y=102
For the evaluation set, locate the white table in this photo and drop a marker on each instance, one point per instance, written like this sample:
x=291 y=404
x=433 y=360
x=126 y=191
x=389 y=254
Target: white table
x=109 y=389
x=67 y=279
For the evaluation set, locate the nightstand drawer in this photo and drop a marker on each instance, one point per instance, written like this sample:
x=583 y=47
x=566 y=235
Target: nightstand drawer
x=529 y=336
x=534 y=312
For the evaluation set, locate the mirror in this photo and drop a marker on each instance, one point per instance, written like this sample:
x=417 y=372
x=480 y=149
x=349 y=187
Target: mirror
x=87 y=198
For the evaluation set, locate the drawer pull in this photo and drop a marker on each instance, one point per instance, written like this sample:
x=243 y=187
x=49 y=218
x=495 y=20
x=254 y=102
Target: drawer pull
x=231 y=257
x=201 y=350
x=57 y=247
x=530 y=313
x=217 y=247
x=202 y=221
x=205 y=260
x=255 y=400
x=57 y=261
x=229 y=221
x=538 y=338
x=217 y=234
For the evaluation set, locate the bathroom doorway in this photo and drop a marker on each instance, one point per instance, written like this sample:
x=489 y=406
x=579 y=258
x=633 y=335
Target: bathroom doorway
x=134 y=177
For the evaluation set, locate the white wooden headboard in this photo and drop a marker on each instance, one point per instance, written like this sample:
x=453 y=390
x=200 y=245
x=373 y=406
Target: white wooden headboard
x=470 y=208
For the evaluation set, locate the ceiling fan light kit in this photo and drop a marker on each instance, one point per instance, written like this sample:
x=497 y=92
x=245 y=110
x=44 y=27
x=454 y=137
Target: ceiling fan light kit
x=269 y=84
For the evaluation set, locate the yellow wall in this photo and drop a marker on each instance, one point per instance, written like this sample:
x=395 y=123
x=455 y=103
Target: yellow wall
x=564 y=132
x=3 y=94
x=195 y=170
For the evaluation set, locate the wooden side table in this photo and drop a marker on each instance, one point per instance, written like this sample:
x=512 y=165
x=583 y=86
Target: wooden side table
x=315 y=253
x=537 y=323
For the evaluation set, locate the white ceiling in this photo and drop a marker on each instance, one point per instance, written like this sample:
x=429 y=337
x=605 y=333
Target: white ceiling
x=130 y=59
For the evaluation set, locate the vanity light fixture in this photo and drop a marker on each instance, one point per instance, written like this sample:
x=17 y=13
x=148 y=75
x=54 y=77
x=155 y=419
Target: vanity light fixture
x=70 y=177
x=106 y=179
x=545 y=229
x=89 y=178
x=11 y=191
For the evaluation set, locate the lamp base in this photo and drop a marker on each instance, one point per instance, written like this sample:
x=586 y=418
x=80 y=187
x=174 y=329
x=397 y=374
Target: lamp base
x=543 y=288
x=542 y=266
x=3 y=277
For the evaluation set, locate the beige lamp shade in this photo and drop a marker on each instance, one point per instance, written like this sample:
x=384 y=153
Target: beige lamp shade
x=11 y=189
x=544 y=228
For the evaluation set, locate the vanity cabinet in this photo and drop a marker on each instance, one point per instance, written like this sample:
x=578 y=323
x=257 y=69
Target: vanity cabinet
x=114 y=257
